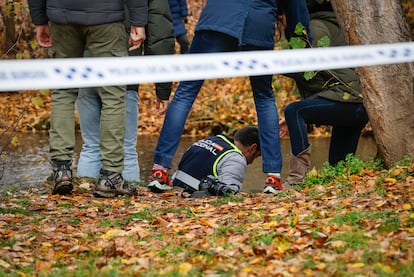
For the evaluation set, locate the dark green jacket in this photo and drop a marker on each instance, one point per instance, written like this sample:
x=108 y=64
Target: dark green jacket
x=160 y=39
x=324 y=84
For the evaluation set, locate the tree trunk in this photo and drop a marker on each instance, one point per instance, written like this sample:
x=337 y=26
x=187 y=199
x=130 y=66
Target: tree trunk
x=8 y=17
x=388 y=90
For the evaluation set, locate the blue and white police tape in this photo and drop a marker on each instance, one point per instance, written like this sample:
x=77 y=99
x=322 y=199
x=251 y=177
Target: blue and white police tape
x=87 y=72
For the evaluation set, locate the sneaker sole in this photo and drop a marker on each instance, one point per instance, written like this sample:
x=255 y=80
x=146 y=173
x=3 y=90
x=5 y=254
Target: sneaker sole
x=271 y=190
x=104 y=194
x=157 y=187
x=63 y=188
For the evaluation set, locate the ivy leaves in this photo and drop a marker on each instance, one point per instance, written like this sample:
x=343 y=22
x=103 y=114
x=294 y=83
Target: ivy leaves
x=301 y=40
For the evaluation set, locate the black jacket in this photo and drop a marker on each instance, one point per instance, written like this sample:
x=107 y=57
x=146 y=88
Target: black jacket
x=88 y=12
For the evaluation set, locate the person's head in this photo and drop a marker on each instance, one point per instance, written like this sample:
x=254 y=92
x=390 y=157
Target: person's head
x=319 y=5
x=247 y=140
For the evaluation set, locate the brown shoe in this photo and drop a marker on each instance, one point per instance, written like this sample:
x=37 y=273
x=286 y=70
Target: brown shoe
x=111 y=184
x=62 y=177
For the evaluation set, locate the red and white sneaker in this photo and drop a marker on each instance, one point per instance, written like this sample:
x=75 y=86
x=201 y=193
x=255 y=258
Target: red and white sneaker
x=159 y=180
x=272 y=185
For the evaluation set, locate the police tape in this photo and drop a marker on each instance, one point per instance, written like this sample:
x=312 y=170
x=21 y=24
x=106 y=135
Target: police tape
x=92 y=72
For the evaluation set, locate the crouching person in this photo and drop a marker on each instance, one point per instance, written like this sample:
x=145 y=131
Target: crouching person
x=215 y=165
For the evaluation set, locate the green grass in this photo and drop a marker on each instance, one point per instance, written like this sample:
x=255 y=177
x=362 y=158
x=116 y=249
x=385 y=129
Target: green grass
x=143 y=214
x=354 y=239
x=352 y=218
x=390 y=224
x=21 y=211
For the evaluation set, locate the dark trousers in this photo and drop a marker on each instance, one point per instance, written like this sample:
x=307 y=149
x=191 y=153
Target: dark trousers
x=347 y=121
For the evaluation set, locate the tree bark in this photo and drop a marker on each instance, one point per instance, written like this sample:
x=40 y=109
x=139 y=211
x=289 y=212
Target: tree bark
x=9 y=27
x=388 y=90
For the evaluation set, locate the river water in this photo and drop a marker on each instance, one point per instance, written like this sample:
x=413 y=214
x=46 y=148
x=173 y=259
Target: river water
x=27 y=164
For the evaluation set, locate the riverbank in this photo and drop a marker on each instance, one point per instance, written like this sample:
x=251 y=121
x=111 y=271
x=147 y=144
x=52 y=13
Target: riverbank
x=356 y=219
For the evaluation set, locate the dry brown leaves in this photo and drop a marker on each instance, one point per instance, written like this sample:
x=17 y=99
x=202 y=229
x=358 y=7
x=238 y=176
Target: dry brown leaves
x=337 y=229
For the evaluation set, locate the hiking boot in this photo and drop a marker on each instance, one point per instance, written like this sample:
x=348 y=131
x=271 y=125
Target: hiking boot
x=62 y=177
x=160 y=181
x=111 y=184
x=272 y=185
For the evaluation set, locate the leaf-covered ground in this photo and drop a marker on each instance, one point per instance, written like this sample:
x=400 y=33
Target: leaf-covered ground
x=351 y=220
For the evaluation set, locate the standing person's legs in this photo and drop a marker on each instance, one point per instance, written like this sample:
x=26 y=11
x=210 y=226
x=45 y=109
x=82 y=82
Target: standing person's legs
x=171 y=132
x=89 y=110
x=180 y=106
x=268 y=123
x=88 y=106
x=67 y=43
x=108 y=40
x=131 y=170
x=185 y=95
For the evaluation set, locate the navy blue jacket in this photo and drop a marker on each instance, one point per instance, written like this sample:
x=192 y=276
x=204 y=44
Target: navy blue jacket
x=252 y=22
x=202 y=158
x=178 y=10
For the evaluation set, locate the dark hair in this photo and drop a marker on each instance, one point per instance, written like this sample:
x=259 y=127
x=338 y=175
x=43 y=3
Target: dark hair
x=248 y=135
x=318 y=5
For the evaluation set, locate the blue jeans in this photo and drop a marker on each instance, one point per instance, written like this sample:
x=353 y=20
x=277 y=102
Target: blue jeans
x=187 y=91
x=347 y=121
x=88 y=105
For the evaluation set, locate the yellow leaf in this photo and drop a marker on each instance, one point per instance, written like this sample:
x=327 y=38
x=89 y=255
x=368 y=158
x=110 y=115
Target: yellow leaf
x=381 y=203
x=407 y=206
x=46 y=244
x=184 y=268
x=37 y=101
x=281 y=244
x=346 y=96
x=295 y=218
x=321 y=266
x=206 y=222
x=96 y=202
x=357 y=265
x=385 y=268
x=270 y=224
x=338 y=243
x=390 y=180
x=45 y=92
x=14 y=141
x=308 y=272
x=113 y=233
x=256 y=260
x=396 y=172
x=312 y=173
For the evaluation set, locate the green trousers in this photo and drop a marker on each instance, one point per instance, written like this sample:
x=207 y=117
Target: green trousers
x=71 y=41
